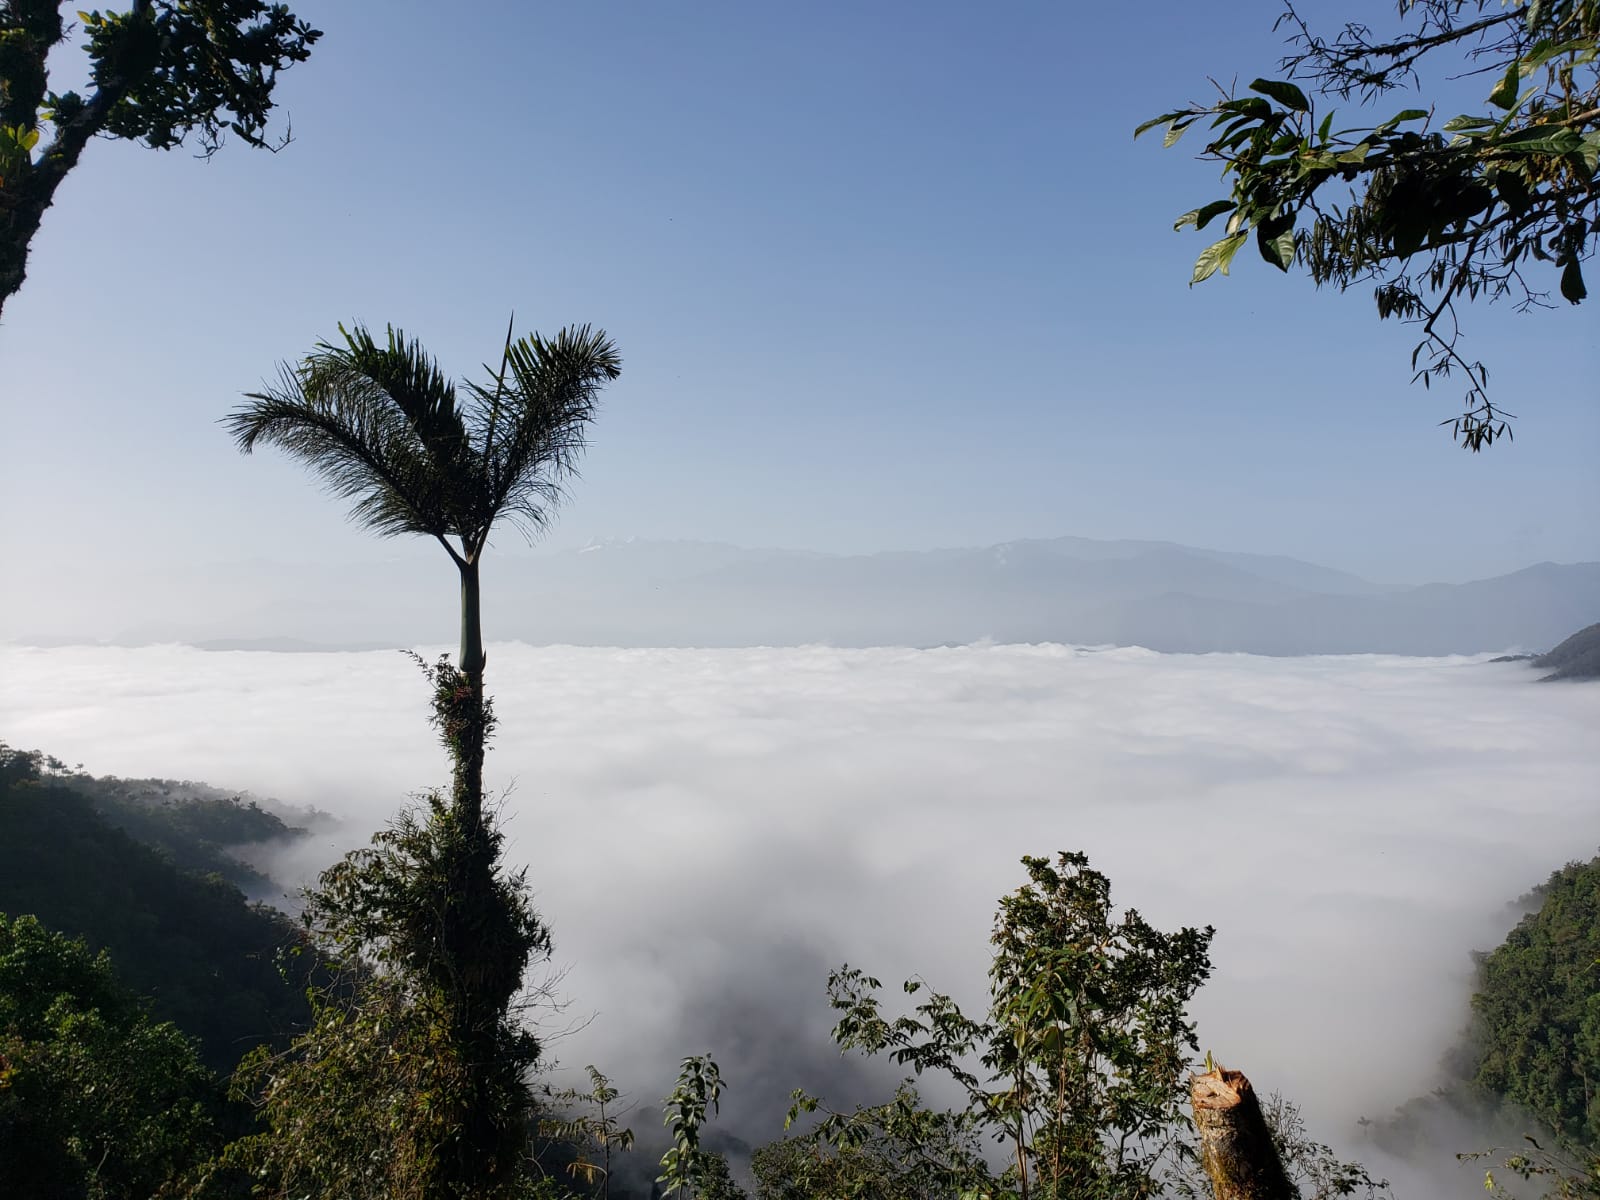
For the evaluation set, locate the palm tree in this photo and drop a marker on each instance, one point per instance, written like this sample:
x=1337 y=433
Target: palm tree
x=420 y=454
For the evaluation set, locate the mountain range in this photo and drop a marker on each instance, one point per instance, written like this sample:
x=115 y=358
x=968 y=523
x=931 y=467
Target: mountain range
x=1160 y=595
x=1155 y=594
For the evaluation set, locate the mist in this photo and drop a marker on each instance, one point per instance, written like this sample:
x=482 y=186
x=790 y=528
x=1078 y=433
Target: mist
x=708 y=831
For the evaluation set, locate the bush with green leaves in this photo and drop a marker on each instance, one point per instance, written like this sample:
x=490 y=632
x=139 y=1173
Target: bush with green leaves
x=1560 y=1174
x=1078 y=1071
x=97 y=1101
x=587 y=1130
x=412 y=1083
x=899 y=1150
x=1312 y=1167
x=688 y=1170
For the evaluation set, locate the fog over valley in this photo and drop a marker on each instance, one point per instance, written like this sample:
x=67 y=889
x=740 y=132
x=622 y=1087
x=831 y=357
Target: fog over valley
x=708 y=831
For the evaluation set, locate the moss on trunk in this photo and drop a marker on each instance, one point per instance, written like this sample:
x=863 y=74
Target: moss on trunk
x=1236 y=1147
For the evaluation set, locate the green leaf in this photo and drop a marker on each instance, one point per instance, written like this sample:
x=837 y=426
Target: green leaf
x=19 y=137
x=1201 y=217
x=1459 y=124
x=1410 y=232
x=1284 y=92
x=1543 y=51
x=1539 y=139
x=1513 y=190
x=1572 y=287
x=1505 y=92
x=1248 y=106
x=1400 y=118
x=1277 y=250
x=1589 y=151
x=1163 y=119
x=1174 y=132
x=1216 y=257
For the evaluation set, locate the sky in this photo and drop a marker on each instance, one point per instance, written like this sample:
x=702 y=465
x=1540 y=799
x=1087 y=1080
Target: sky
x=883 y=277
x=710 y=831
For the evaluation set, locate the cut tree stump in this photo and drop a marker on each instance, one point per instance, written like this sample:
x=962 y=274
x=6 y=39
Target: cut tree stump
x=1235 y=1144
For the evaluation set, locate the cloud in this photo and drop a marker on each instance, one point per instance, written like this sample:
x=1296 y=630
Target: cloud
x=710 y=830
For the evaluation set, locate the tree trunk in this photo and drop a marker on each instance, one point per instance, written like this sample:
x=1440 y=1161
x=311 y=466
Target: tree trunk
x=485 y=967
x=470 y=749
x=471 y=663
x=24 y=201
x=1235 y=1144
x=30 y=190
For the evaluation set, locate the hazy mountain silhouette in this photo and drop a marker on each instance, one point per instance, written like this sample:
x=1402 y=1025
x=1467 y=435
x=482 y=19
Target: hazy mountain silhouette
x=1155 y=594
x=643 y=593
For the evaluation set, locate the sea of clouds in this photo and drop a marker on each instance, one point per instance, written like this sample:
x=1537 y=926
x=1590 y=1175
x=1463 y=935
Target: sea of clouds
x=708 y=831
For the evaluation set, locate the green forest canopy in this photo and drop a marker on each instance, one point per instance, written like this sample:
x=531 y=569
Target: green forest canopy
x=1537 y=1009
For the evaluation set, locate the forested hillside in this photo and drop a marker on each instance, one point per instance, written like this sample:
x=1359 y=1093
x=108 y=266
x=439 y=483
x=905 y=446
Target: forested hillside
x=1536 y=1032
x=1523 y=1075
x=146 y=878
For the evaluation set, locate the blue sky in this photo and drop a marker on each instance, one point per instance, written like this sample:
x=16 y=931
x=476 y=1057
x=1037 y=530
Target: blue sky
x=883 y=276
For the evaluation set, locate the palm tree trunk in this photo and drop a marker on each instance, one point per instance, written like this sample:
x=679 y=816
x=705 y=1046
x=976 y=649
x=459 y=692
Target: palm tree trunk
x=471 y=663
x=470 y=748
x=479 y=1154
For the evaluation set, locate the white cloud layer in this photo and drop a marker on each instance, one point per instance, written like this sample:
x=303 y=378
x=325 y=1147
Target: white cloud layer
x=710 y=830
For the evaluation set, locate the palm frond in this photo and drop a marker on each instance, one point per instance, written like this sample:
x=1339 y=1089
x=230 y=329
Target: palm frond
x=381 y=425
x=362 y=448
x=400 y=373
x=535 y=429
x=403 y=371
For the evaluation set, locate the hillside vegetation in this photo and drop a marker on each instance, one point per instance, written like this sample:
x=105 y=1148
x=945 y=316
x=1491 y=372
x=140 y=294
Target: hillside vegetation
x=148 y=881
x=1537 y=1009
x=141 y=872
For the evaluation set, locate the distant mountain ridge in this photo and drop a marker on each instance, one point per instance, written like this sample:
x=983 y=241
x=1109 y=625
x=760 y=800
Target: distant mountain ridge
x=1161 y=595
x=1157 y=594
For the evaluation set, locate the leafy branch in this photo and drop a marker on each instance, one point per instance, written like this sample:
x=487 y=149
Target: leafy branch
x=1432 y=214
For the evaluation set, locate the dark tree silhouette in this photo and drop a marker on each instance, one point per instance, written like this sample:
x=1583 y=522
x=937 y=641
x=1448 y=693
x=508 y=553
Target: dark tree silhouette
x=160 y=72
x=419 y=454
